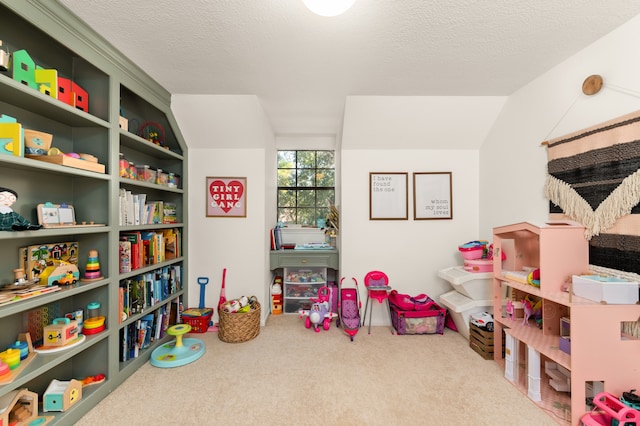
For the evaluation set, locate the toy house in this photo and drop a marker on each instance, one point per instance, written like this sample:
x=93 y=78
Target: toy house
x=18 y=407
x=60 y=395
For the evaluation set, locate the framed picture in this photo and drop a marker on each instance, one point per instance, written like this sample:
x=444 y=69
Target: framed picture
x=226 y=197
x=432 y=196
x=388 y=196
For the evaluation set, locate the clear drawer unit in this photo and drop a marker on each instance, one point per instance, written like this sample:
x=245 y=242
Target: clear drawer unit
x=300 y=286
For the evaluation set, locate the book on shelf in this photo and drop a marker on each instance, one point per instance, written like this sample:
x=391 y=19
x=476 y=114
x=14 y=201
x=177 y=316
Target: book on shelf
x=170 y=214
x=125 y=256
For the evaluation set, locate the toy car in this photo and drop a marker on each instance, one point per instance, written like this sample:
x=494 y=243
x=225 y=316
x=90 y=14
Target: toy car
x=483 y=320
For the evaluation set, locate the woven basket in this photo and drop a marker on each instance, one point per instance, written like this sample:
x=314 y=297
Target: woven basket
x=240 y=326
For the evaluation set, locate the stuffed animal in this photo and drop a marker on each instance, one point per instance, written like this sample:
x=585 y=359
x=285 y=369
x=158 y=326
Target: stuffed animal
x=10 y=220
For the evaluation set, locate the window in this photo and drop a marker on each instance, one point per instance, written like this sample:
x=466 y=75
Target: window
x=306 y=186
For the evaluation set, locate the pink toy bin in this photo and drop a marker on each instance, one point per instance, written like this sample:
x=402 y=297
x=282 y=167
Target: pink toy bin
x=472 y=250
x=478 y=265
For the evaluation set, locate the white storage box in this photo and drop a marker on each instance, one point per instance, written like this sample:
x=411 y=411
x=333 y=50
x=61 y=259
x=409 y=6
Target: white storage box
x=612 y=290
x=295 y=235
x=461 y=308
x=474 y=285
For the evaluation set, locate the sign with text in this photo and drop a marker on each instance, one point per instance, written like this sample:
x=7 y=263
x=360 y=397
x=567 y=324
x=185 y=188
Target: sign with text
x=388 y=196
x=432 y=196
x=226 y=197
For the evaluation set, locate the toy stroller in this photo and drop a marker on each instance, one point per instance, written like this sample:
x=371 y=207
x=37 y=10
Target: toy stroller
x=349 y=306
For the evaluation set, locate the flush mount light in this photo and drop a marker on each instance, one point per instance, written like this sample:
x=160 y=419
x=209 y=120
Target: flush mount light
x=329 y=7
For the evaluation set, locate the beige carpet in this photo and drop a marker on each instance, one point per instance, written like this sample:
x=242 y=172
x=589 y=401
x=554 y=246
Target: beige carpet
x=291 y=375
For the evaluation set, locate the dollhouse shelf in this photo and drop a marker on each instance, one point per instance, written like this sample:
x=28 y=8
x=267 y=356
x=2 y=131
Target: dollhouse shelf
x=600 y=356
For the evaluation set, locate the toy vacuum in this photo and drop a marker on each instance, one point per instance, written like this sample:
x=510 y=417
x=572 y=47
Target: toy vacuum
x=181 y=351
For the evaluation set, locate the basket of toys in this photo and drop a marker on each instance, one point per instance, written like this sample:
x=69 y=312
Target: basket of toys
x=198 y=318
x=239 y=320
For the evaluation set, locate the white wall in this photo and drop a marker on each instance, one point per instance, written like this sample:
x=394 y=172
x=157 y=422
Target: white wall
x=512 y=161
x=394 y=129
x=241 y=136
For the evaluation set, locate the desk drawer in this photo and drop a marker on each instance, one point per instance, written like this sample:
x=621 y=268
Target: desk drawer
x=295 y=259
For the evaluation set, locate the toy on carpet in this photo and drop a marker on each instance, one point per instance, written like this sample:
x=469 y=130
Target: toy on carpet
x=320 y=312
x=179 y=352
x=10 y=220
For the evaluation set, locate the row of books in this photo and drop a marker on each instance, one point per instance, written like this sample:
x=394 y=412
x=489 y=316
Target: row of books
x=145 y=290
x=135 y=209
x=142 y=248
x=140 y=334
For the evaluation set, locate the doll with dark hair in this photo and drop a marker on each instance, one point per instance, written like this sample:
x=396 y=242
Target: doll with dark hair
x=10 y=220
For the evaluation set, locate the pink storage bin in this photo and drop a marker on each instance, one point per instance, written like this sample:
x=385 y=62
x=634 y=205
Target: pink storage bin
x=471 y=253
x=478 y=265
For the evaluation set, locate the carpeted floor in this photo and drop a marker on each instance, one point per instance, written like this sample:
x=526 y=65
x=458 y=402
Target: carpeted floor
x=291 y=375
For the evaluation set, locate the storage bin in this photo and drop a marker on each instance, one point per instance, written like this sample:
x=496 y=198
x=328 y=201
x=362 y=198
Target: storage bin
x=461 y=308
x=146 y=173
x=198 y=324
x=478 y=285
x=419 y=322
x=605 y=289
x=478 y=265
x=240 y=326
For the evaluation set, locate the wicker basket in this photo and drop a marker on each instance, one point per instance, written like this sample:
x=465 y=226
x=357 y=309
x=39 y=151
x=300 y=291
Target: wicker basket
x=239 y=327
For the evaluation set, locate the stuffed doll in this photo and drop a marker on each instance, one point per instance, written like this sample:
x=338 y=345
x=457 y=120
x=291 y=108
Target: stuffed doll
x=10 y=220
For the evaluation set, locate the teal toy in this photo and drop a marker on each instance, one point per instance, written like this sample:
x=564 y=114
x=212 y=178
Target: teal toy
x=179 y=352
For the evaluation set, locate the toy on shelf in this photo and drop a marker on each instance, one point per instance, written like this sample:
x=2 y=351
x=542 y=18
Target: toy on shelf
x=60 y=273
x=20 y=282
x=153 y=132
x=61 y=395
x=19 y=407
x=320 y=312
x=93 y=380
x=92 y=270
x=61 y=332
x=510 y=309
x=23 y=349
x=10 y=220
x=4 y=58
x=95 y=322
x=62 y=215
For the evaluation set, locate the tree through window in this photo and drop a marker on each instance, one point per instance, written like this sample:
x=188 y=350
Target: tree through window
x=306 y=186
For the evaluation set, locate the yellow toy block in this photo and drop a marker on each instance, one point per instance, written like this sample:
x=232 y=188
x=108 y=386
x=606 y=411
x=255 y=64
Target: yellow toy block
x=11 y=142
x=47 y=79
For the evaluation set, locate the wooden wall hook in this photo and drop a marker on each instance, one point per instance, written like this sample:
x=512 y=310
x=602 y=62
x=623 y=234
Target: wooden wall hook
x=592 y=84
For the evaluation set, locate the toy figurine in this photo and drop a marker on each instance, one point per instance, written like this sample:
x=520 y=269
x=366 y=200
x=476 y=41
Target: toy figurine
x=510 y=310
x=10 y=220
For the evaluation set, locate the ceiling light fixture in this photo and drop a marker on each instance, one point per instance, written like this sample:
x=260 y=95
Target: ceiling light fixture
x=329 y=7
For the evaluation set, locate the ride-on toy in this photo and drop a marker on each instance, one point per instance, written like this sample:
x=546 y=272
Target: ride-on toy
x=320 y=312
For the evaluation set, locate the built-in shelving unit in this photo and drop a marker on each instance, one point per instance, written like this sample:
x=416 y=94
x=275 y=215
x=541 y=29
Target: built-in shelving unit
x=598 y=358
x=55 y=39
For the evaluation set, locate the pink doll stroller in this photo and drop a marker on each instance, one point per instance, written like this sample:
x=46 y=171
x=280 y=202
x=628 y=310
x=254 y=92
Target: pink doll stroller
x=349 y=306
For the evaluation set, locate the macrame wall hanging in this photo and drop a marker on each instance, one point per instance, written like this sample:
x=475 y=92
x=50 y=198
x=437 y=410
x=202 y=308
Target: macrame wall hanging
x=594 y=178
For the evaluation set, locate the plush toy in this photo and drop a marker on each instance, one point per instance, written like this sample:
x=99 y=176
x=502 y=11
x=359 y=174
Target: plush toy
x=10 y=220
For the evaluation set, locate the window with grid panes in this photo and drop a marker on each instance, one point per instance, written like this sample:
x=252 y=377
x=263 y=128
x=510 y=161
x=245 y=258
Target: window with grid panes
x=306 y=186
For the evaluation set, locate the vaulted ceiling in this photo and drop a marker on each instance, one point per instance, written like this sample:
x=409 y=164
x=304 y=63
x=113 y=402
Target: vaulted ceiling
x=302 y=66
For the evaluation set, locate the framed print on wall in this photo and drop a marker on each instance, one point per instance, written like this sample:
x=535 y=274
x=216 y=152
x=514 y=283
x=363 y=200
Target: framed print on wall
x=432 y=197
x=226 y=197
x=388 y=196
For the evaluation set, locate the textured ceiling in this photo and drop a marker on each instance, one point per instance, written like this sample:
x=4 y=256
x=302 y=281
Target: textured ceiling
x=302 y=66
